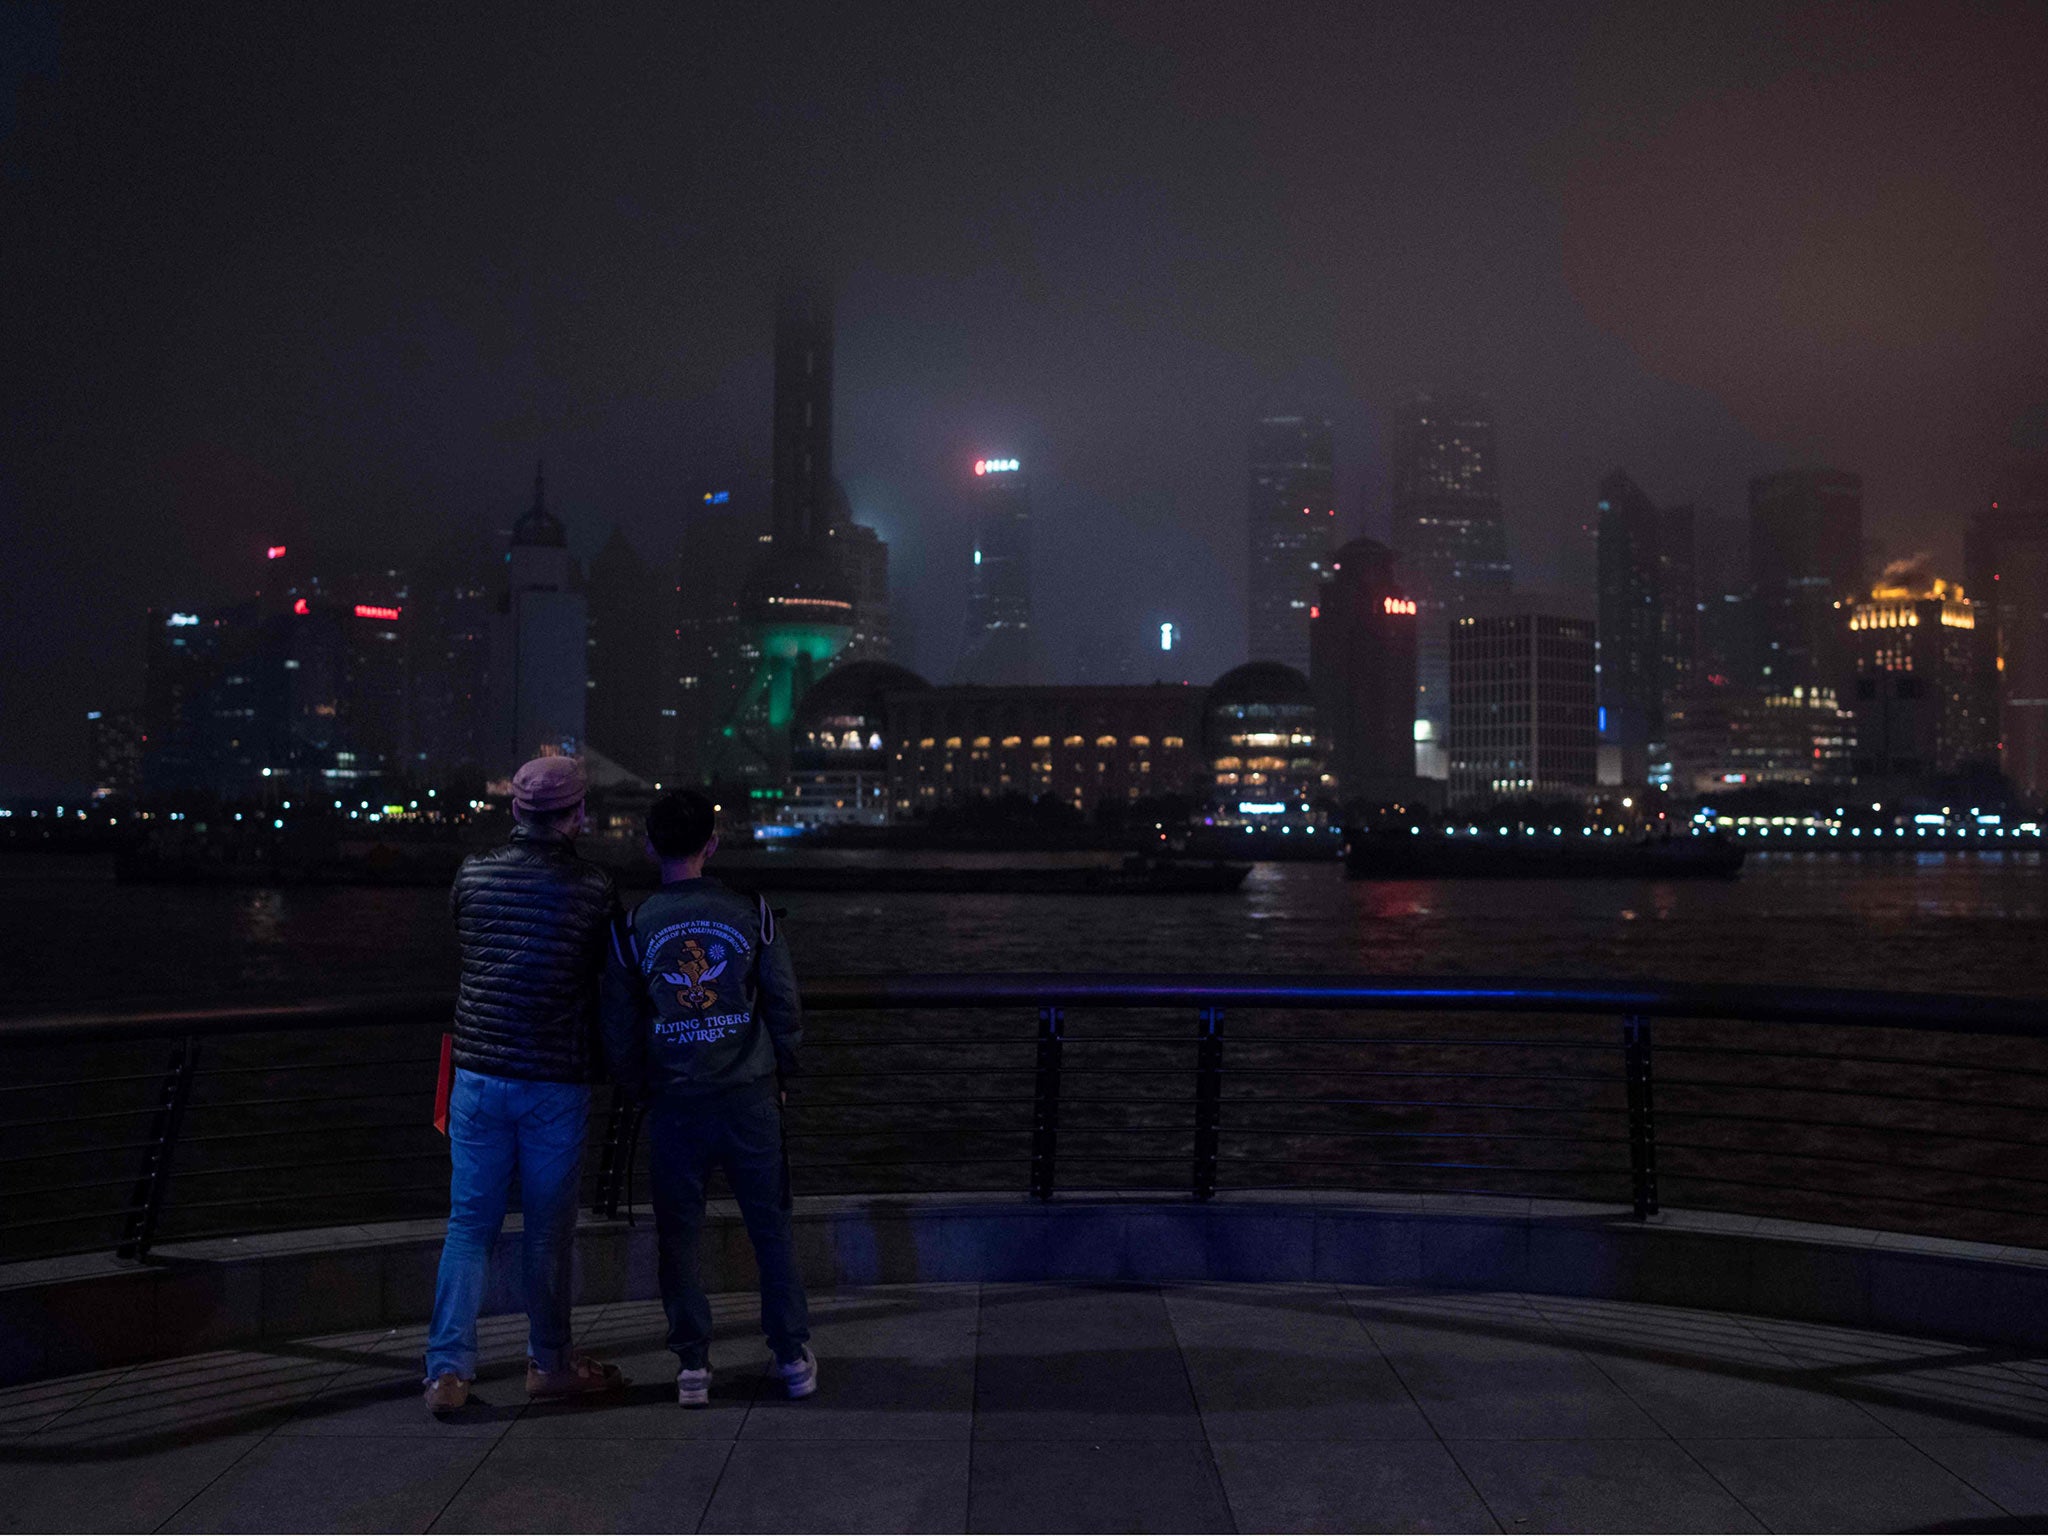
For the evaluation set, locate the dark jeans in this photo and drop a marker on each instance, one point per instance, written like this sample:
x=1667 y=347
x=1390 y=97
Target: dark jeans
x=741 y=1130
x=496 y=1125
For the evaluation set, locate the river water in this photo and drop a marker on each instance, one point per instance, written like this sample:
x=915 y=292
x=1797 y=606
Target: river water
x=75 y=938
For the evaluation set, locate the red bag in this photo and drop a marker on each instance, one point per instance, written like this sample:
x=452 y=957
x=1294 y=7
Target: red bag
x=446 y=1085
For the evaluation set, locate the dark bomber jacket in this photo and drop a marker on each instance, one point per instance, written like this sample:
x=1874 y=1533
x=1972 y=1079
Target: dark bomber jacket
x=699 y=993
x=532 y=918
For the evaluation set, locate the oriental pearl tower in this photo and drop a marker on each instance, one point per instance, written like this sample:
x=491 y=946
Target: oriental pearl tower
x=799 y=603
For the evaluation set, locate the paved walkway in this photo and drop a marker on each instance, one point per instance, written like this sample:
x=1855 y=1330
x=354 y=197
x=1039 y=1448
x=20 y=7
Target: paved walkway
x=1022 y=1408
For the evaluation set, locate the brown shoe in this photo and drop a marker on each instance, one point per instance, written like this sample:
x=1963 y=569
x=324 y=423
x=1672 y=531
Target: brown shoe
x=582 y=1375
x=446 y=1392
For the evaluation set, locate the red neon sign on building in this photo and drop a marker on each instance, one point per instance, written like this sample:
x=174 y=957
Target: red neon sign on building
x=274 y=552
x=1398 y=604
x=373 y=611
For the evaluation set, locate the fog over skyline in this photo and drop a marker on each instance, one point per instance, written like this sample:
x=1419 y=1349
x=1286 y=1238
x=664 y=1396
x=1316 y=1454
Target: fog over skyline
x=336 y=278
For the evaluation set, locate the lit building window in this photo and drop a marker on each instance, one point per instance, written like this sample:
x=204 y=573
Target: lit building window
x=1041 y=741
x=1076 y=741
x=1105 y=741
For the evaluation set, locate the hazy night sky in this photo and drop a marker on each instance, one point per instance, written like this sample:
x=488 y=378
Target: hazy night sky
x=334 y=276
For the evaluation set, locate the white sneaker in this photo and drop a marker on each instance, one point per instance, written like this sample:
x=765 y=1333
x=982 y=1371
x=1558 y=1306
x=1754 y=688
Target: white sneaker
x=800 y=1376
x=693 y=1388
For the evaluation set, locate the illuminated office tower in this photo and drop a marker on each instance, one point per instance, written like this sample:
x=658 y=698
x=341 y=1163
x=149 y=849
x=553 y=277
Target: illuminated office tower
x=1292 y=526
x=1522 y=710
x=1924 y=660
x=1450 y=539
x=999 y=646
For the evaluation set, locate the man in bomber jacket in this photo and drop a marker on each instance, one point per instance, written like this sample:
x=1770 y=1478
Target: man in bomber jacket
x=701 y=1022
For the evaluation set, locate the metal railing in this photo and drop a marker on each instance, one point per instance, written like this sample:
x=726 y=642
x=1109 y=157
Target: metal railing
x=1919 y=1113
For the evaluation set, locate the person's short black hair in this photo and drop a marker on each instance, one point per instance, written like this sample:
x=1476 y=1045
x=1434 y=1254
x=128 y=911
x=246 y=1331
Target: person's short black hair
x=680 y=823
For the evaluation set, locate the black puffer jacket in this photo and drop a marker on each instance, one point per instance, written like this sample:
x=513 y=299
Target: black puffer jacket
x=532 y=918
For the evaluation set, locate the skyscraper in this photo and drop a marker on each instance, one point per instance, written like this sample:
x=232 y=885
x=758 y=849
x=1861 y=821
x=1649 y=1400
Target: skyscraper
x=1649 y=617
x=999 y=646
x=539 y=663
x=1447 y=532
x=1362 y=668
x=804 y=499
x=1924 y=658
x=1522 y=710
x=1805 y=562
x=627 y=655
x=865 y=559
x=1292 y=526
x=797 y=609
x=2005 y=561
x=723 y=542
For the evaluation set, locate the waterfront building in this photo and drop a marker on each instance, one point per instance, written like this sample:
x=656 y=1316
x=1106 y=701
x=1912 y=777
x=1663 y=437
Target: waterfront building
x=1648 y=619
x=1265 y=751
x=376 y=714
x=1523 y=720
x=539 y=649
x=1806 y=562
x=2005 y=554
x=114 y=740
x=453 y=610
x=1293 y=514
x=844 y=762
x=999 y=647
x=1078 y=745
x=629 y=648
x=1723 y=736
x=722 y=543
x=1362 y=672
x=1450 y=539
x=1924 y=679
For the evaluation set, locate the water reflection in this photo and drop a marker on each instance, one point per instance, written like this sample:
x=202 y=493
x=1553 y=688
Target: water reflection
x=1929 y=922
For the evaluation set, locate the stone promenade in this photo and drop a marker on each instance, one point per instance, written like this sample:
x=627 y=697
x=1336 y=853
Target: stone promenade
x=1043 y=1408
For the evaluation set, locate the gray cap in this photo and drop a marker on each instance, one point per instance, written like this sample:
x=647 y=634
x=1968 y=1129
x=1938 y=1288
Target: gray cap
x=549 y=784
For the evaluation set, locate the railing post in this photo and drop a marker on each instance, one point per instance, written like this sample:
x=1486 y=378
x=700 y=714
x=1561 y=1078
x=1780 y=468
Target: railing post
x=152 y=1183
x=1642 y=1123
x=614 y=1157
x=1045 y=1101
x=1208 y=1099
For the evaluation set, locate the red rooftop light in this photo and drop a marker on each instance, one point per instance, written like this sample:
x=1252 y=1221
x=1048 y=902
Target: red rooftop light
x=301 y=606
x=274 y=552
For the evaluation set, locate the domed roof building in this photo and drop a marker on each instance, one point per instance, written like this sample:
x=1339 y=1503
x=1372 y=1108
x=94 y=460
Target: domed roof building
x=843 y=712
x=1266 y=755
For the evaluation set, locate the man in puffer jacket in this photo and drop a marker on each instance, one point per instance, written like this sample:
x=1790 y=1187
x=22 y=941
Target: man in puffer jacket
x=532 y=918
x=702 y=1020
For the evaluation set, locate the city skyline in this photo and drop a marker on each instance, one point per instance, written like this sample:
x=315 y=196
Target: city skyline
x=218 y=350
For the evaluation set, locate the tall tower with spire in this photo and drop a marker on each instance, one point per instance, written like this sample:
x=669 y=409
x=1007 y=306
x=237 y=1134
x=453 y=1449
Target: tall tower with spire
x=539 y=641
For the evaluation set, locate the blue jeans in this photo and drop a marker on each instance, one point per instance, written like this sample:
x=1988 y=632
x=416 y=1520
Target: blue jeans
x=496 y=1124
x=741 y=1129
